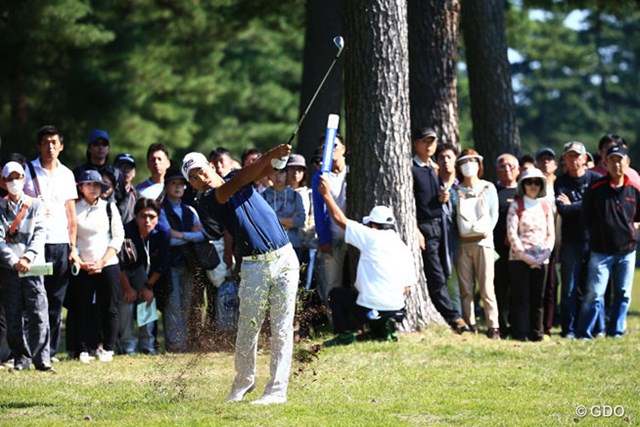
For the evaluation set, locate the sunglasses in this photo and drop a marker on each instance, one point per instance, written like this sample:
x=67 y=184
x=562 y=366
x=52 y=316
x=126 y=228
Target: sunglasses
x=535 y=182
x=100 y=143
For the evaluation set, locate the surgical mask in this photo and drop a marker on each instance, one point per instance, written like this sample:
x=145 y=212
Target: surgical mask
x=469 y=169
x=15 y=187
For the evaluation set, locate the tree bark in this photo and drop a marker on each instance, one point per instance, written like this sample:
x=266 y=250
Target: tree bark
x=492 y=104
x=378 y=136
x=433 y=50
x=324 y=21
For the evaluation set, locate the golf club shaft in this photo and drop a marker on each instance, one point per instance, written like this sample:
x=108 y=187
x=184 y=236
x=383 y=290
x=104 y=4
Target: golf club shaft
x=313 y=98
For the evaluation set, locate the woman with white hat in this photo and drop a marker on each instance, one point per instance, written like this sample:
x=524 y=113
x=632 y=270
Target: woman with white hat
x=531 y=233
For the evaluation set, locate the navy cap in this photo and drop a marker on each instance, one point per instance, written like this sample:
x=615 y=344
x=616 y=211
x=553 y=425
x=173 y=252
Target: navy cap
x=544 y=150
x=174 y=173
x=616 y=150
x=98 y=133
x=124 y=158
x=93 y=176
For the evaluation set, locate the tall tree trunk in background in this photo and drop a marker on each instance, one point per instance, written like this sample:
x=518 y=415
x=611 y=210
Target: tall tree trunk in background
x=324 y=21
x=493 y=109
x=433 y=49
x=378 y=141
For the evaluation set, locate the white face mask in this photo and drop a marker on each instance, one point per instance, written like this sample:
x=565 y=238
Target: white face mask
x=470 y=169
x=15 y=187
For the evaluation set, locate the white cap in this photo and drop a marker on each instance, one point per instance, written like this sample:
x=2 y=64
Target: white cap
x=193 y=160
x=380 y=215
x=12 y=167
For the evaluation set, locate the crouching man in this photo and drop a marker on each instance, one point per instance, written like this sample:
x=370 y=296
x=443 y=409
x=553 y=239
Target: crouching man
x=384 y=275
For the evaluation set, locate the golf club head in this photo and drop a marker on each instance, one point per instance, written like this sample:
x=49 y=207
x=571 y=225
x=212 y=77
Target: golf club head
x=339 y=42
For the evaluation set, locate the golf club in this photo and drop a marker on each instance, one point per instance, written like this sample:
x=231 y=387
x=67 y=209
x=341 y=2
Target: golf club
x=339 y=42
x=282 y=162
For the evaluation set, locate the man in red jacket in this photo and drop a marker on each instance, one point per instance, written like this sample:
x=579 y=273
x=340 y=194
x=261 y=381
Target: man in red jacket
x=610 y=207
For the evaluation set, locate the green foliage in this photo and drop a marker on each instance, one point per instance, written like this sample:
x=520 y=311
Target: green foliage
x=576 y=84
x=192 y=74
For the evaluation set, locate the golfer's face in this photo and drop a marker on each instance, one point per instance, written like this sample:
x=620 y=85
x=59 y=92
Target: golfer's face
x=202 y=178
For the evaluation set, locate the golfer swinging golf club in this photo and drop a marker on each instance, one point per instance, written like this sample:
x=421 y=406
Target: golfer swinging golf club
x=270 y=269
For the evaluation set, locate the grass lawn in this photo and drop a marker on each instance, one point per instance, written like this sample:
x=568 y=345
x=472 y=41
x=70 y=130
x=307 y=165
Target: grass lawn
x=430 y=378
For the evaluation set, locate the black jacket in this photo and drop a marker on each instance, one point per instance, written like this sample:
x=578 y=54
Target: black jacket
x=609 y=214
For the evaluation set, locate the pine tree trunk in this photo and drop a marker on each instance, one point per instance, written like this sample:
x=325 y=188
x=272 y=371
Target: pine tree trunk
x=492 y=105
x=433 y=49
x=324 y=21
x=378 y=136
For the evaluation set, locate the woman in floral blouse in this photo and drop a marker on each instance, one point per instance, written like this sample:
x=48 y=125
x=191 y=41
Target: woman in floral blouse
x=531 y=233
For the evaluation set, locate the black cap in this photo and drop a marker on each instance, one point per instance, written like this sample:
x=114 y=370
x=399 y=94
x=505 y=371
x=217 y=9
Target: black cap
x=616 y=150
x=423 y=132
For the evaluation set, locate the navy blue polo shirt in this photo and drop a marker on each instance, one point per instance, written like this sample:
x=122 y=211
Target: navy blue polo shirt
x=249 y=218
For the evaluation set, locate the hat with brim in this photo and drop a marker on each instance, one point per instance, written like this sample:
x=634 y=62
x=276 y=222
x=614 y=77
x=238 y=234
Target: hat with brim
x=93 y=176
x=478 y=157
x=174 y=173
x=616 y=150
x=193 y=161
x=12 y=167
x=297 y=160
x=545 y=150
x=124 y=158
x=97 y=134
x=575 y=146
x=423 y=132
x=532 y=173
x=380 y=215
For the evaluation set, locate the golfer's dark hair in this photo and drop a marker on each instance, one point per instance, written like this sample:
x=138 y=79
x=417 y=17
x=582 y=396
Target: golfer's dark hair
x=48 y=130
x=248 y=152
x=157 y=146
x=609 y=138
x=143 y=204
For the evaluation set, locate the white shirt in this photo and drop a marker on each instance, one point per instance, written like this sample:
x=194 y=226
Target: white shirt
x=385 y=267
x=338 y=182
x=55 y=189
x=95 y=234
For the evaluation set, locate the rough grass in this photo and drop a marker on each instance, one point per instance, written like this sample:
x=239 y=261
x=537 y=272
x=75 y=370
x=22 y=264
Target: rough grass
x=430 y=378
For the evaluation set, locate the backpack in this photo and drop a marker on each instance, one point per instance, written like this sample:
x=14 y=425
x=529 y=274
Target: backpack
x=520 y=208
x=227 y=304
x=473 y=216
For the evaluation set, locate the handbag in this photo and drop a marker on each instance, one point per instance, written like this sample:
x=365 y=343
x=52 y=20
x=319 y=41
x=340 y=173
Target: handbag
x=206 y=255
x=128 y=254
x=473 y=216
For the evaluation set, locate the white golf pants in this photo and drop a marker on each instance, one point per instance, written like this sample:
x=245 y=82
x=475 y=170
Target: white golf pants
x=269 y=280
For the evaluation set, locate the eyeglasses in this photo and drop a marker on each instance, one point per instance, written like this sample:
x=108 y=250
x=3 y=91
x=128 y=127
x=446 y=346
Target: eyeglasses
x=535 y=182
x=150 y=217
x=100 y=143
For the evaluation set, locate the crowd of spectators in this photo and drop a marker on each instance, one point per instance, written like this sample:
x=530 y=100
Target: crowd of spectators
x=491 y=244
